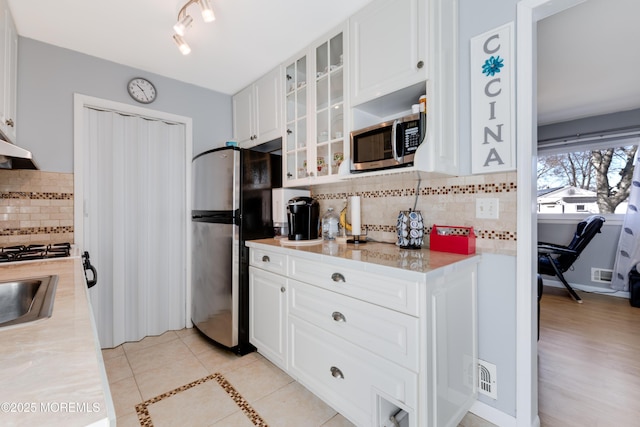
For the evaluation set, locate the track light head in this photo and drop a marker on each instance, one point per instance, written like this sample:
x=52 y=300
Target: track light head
x=182 y=45
x=181 y=26
x=207 y=11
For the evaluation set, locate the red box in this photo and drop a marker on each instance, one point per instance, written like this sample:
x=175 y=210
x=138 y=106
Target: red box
x=458 y=240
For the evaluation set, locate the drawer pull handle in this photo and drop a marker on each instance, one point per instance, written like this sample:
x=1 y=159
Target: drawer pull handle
x=265 y=258
x=282 y=289
x=337 y=277
x=336 y=373
x=338 y=317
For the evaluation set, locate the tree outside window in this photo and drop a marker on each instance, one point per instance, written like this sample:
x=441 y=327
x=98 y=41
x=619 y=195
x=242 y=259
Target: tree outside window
x=601 y=174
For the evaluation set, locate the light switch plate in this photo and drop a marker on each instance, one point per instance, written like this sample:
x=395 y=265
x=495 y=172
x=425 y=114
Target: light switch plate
x=487 y=208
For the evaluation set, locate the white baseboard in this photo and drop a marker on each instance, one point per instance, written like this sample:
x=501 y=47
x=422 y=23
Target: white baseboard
x=587 y=288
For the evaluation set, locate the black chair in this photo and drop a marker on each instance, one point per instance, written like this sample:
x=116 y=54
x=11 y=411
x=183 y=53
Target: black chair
x=553 y=260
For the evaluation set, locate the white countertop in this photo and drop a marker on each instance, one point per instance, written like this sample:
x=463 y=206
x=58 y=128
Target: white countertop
x=51 y=370
x=383 y=255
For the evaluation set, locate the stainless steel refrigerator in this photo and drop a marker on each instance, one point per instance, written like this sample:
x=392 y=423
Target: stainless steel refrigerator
x=231 y=204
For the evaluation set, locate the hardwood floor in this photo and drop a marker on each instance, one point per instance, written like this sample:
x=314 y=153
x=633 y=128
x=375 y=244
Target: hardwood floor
x=588 y=361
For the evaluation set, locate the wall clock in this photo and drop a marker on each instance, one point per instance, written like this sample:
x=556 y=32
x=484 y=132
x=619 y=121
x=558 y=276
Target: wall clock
x=142 y=90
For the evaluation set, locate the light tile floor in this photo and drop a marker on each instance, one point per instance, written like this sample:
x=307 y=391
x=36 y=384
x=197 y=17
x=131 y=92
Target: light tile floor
x=142 y=370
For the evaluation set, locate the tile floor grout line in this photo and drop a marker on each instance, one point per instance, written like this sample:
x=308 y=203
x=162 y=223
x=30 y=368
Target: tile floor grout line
x=144 y=417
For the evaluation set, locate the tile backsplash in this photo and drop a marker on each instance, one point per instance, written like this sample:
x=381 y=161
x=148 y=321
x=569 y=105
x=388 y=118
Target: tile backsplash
x=35 y=207
x=447 y=201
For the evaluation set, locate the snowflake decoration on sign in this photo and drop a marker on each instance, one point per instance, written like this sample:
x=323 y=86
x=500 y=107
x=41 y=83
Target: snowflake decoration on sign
x=492 y=65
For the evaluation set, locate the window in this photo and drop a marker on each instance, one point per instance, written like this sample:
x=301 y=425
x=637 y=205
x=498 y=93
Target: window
x=589 y=179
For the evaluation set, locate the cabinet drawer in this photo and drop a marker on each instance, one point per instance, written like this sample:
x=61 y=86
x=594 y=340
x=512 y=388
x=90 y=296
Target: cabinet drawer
x=384 y=332
x=386 y=291
x=346 y=376
x=268 y=260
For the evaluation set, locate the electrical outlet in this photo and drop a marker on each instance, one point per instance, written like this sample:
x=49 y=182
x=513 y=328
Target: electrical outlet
x=487 y=208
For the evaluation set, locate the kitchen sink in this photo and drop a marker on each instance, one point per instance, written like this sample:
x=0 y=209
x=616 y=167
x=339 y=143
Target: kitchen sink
x=26 y=300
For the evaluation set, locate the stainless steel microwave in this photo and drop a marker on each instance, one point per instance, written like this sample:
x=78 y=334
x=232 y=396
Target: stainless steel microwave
x=391 y=144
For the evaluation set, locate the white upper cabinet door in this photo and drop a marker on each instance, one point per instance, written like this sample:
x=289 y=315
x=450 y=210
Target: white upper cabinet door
x=257 y=111
x=243 y=116
x=388 y=48
x=267 y=93
x=9 y=70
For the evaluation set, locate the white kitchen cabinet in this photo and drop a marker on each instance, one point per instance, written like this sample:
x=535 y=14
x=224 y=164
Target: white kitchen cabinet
x=268 y=315
x=346 y=376
x=387 y=91
x=370 y=339
x=9 y=70
x=315 y=124
x=441 y=150
x=257 y=111
x=388 y=48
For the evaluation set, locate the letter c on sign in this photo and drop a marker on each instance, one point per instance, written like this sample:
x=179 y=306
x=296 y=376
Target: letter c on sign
x=487 y=88
x=485 y=47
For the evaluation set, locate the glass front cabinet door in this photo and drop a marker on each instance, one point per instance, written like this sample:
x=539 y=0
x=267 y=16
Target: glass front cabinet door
x=315 y=129
x=329 y=109
x=296 y=120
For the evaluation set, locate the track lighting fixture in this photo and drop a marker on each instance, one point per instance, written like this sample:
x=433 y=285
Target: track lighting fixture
x=185 y=20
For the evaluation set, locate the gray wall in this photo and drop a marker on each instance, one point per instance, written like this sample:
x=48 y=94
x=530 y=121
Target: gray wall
x=497 y=326
x=48 y=76
x=497 y=274
x=600 y=253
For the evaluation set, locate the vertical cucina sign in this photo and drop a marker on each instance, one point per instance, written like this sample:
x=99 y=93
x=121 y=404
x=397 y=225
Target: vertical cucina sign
x=492 y=101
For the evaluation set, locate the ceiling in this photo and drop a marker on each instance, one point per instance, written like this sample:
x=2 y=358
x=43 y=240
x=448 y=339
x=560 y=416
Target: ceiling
x=247 y=39
x=589 y=61
x=588 y=56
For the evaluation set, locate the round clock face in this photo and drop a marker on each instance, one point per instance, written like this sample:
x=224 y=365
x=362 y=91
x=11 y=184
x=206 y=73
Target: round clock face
x=142 y=90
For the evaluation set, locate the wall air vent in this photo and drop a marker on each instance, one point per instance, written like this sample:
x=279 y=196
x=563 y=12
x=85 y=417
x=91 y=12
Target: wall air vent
x=601 y=275
x=487 y=379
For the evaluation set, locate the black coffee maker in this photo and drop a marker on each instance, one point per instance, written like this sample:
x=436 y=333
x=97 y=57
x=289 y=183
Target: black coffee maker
x=303 y=215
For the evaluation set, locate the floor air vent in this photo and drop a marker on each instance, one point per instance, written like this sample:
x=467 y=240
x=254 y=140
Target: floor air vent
x=601 y=275
x=487 y=380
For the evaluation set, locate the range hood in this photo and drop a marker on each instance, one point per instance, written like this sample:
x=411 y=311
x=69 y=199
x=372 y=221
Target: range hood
x=14 y=157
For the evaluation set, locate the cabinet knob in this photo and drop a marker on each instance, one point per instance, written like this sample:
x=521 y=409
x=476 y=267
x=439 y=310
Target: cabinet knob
x=265 y=258
x=336 y=373
x=9 y=122
x=337 y=277
x=420 y=64
x=338 y=317
x=289 y=131
x=255 y=136
x=289 y=175
x=283 y=289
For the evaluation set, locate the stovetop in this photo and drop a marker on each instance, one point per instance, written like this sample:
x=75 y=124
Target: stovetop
x=34 y=252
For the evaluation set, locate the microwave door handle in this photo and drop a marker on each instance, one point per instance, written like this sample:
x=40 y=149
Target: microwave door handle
x=394 y=141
